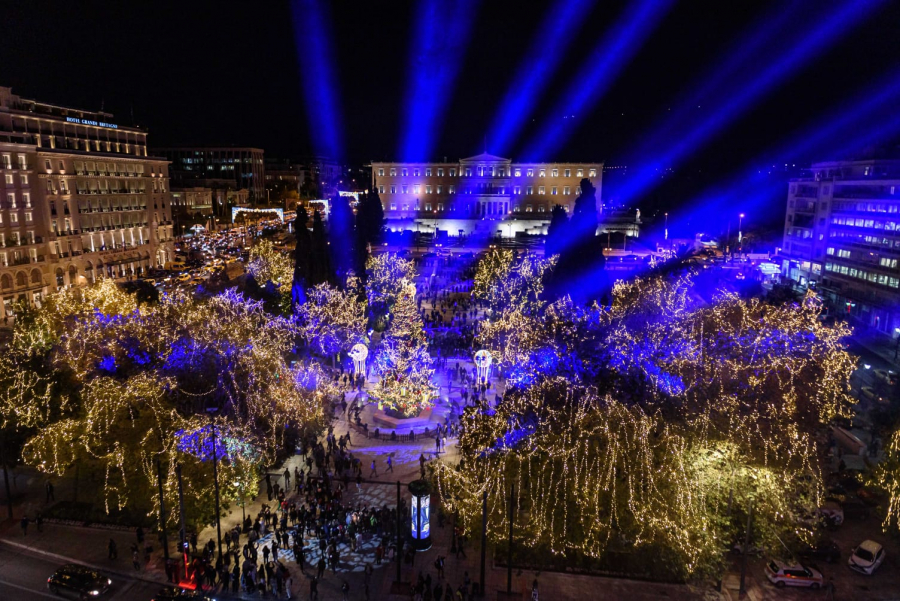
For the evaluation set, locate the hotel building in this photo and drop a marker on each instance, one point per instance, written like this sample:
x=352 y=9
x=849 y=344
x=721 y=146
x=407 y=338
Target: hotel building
x=484 y=194
x=842 y=238
x=79 y=200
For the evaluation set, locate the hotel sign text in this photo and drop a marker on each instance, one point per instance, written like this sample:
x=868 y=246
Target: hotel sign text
x=89 y=122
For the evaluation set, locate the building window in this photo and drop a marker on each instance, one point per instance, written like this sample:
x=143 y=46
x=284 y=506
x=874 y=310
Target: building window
x=555 y=173
x=28 y=216
x=553 y=190
x=468 y=172
x=529 y=190
x=592 y=173
x=47 y=165
x=428 y=172
x=381 y=189
x=14 y=218
x=518 y=173
x=24 y=178
x=541 y=190
x=427 y=206
x=427 y=189
x=530 y=173
x=517 y=190
x=405 y=189
x=453 y=172
x=393 y=206
x=528 y=208
x=439 y=189
x=540 y=208
x=542 y=173
x=381 y=172
x=393 y=172
x=416 y=189
x=440 y=172
x=440 y=206
x=405 y=172
x=9 y=179
x=415 y=173
x=393 y=189
x=566 y=190
x=568 y=173
x=451 y=189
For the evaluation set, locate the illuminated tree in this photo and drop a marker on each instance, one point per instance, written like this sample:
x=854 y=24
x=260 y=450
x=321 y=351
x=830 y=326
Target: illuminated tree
x=386 y=274
x=402 y=360
x=273 y=270
x=332 y=320
x=887 y=477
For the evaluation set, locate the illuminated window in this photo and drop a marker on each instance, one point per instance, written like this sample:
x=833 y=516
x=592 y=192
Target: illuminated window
x=566 y=190
x=529 y=190
x=28 y=219
x=440 y=189
x=540 y=208
x=405 y=189
x=440 y=172
x=24 y=178
x=405 y=207
x=553 y=190
x=542 y=173
x=528 y=208
x=427 y=189
x=440 y=206
x=393 y=206
x=518 y=173
x=453 y=172
x=517 y=190
x=530 y=173
x=592 y=173
x=381 y=172
x=393 y=172
x=405 y=172
x=451 y=189
x=416 y=189
x=555 y=173
x=541 y=190
x=393 y=189
x=428 y=172
x=427 y=206
x=568 y=173
x=14 y=218
x=47 y=164
x=381 y=189
x=415 y=173
x=9 y=178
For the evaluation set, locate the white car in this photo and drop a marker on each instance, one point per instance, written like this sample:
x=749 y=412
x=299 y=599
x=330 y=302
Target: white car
x=781 y=574
x=866 y=558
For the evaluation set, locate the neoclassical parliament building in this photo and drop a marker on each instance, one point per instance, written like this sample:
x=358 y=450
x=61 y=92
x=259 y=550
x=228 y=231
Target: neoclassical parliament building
x=483 y=194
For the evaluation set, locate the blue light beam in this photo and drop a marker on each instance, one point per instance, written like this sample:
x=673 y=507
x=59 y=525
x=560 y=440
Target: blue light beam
x=597 y=73
x=315 y=57
x=439 y=43
x=560 y=27
x=821 y=36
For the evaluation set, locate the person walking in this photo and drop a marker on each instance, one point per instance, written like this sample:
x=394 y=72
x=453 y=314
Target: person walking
x=345 y=591
x=374 y=471
x=321 y=566
x=135 y=558
x=39 y=521
x=289 y=586
x=50 y=495
x=314 y=589
x=390 y=465
x=534 y=590
x=113 y=551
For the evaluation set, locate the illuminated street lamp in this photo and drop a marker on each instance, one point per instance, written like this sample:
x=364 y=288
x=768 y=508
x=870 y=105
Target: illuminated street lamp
x=666 y=237
x=740 y=236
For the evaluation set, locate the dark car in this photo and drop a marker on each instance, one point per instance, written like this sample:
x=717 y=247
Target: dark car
x=825 y=549
x=78 y=582
x=173 y=593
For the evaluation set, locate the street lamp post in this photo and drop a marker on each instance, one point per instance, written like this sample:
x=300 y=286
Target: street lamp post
x=216 y=479
x=740 y=234
x=666 y=236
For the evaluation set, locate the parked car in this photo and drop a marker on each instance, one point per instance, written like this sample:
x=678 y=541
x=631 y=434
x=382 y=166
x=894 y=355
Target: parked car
x=781 y=574
x=866 y=558
x=78 y=581
x=832 y=512
x=825 y=549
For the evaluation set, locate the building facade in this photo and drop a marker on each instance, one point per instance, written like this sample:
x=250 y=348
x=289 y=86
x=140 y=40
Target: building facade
x=842 y=238
x=482 y=194
x=194 y=166
x=80 y=199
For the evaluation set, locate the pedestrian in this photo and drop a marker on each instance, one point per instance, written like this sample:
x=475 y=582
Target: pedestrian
x=314 y=589
x=439 y=566
x=390 y=465
x=345 y=591
x=321 y=566
x=534 y=590
x=288 y=586
x=24 y=524
x=135 y=559
x=358 y=481
x=374 y=472
x=287 y=479
x=437 y=442
x=422 y=465
x=50 y=495
x=113 y=550
x=39 y=520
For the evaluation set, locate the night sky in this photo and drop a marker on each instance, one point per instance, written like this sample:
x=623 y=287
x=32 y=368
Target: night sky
x=228 y=73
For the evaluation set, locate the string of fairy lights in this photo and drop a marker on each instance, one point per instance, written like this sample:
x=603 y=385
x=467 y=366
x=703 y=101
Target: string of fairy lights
x=634 y=424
